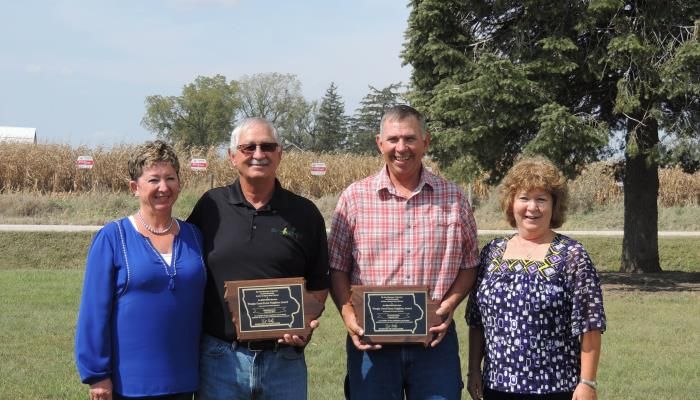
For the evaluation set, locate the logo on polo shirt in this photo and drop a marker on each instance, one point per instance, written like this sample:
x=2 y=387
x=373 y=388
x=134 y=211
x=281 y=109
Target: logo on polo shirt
x=288 y=232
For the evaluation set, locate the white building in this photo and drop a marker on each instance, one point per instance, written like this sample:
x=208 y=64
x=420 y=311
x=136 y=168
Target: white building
x=17 y=135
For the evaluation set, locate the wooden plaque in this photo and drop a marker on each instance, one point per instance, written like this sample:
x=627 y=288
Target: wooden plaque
x=395 y=314
x=269 y=308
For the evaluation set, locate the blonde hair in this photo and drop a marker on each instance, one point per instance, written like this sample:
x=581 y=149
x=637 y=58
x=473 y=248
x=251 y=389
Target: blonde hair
x=150 y=153
x=535 y=173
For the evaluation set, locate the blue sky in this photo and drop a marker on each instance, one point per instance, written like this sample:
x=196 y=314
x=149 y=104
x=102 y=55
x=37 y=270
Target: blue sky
x=80 y=70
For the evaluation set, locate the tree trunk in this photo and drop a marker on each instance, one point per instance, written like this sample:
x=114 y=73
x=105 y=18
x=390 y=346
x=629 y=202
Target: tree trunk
x=640 y=245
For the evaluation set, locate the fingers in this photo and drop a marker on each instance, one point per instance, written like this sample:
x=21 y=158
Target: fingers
x=101 y=390
x=359 y=345
x=475 y=385
x=100 y=394
x=475 y=391
x=292 y=340
x=439 y=332
x=437 y=339
x=352 y=326
x=356 y=336
x=355 y=331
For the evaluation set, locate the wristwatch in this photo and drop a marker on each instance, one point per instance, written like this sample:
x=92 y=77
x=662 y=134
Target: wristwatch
x=592 y=384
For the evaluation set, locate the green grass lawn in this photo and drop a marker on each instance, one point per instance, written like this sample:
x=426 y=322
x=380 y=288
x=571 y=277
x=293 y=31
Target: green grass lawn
x=98 y=208
x=649 y=351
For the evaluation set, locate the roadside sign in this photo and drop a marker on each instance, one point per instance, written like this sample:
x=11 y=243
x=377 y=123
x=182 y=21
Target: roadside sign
x=198 y=164
x=318 y=168
x=85 y=162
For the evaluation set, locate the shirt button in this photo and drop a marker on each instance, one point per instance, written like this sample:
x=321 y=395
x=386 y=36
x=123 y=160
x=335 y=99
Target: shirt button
x=255 y=226
x=408 y=251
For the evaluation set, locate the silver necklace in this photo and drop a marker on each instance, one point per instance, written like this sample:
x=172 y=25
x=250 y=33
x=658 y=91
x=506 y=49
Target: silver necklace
x=530 y=251
x=154 y=231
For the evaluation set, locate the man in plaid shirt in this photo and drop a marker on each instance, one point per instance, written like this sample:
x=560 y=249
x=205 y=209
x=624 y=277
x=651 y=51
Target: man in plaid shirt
x=403 y=226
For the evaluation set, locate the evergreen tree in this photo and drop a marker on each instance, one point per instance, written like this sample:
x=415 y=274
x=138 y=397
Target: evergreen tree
x=555 y=78
x=331 y=123
x=364 y=126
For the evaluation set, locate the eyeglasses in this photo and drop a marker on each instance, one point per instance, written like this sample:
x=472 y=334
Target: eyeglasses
x=249 y=148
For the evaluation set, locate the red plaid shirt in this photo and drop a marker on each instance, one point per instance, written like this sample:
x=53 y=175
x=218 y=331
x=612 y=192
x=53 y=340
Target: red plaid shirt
x=385 y=239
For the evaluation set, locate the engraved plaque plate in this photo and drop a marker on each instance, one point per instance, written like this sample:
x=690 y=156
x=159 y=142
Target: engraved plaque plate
x=269 y=308
x=395 y=314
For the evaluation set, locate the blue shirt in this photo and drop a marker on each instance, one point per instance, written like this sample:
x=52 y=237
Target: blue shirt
x=140 y=318
x=533 y=313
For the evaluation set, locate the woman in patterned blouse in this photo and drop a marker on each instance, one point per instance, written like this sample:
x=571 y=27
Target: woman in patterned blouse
x=536 y=312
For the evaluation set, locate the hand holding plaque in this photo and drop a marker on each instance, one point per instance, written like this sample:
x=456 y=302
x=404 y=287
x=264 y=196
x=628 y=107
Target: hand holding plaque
x=270 y=308
x=394 y=314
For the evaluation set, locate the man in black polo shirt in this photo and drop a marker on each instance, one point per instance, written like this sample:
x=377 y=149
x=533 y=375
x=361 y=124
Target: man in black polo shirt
x=255 y=229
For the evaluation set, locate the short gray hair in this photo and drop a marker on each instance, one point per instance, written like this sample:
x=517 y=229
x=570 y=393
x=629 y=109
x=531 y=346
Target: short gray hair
x=247 y=123
x=400 y=112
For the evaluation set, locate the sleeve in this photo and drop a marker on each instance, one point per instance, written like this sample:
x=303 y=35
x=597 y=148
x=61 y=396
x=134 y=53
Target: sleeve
x=470 y=258
x=197 y=215
x=93 y=337
x=318 y=277
x=472 y=313
x=201 y=215
x=340 y=239
x=196 y=237
x=587 y=313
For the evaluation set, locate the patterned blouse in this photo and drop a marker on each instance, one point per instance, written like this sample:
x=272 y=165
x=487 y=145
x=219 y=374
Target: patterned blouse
x=533 y=313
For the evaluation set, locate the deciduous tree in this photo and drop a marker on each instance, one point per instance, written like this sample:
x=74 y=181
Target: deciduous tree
x=276 y=97
x=202 y=115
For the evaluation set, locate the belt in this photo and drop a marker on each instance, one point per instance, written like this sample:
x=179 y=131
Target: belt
x=263 y=345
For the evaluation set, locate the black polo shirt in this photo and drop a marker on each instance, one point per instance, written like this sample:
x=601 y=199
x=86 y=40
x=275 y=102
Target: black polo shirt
x=283 y=239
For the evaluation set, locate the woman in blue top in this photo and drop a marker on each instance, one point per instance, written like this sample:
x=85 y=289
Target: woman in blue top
x=140 y=316
x=536 y=312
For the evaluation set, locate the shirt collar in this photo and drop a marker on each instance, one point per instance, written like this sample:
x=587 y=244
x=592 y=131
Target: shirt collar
x=279 y=196
x=383 y=182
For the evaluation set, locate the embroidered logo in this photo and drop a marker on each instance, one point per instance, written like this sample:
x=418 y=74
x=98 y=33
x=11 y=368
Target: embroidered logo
x=288 y=232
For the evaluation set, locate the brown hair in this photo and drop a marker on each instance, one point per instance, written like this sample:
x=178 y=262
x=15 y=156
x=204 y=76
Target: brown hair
x=150 y=153
x=535 y=173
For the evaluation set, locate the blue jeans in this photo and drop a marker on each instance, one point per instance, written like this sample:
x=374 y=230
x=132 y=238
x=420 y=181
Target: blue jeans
x=416 y=371
x=229 y=371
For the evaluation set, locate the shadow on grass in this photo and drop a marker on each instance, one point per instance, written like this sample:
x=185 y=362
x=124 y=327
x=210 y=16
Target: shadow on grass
x=668 y=281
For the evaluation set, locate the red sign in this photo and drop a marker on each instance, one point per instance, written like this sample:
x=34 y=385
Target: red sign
x=318 y=169
x=84 y=162
x=198 y=164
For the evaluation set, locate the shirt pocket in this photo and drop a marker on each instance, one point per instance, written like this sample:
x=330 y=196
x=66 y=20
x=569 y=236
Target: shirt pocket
x=442 y=232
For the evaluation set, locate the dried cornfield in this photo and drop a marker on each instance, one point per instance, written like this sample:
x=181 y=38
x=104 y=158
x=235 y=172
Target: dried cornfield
x=51 y=168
